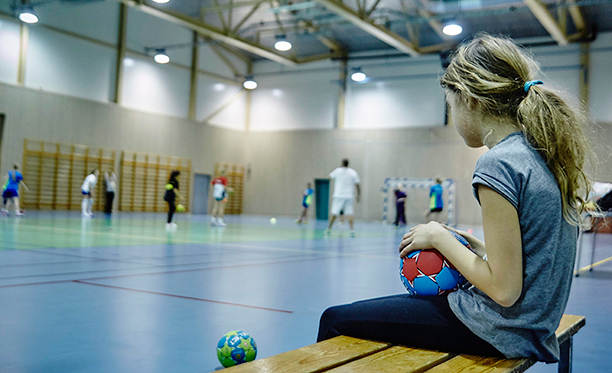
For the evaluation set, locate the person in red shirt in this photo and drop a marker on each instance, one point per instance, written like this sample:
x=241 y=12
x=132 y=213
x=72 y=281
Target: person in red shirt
x=220 y=191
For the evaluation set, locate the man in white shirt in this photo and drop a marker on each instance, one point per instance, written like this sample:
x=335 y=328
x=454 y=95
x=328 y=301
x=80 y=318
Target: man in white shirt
x=346 y=180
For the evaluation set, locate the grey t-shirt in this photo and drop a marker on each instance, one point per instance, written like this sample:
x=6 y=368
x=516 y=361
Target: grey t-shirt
x=515 y=170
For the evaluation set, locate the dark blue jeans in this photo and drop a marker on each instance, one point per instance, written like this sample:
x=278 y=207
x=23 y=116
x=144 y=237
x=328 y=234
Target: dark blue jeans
x=422 y=322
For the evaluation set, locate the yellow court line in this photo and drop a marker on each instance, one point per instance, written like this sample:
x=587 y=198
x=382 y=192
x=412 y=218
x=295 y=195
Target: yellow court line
x=160 y=239
x=586 y=268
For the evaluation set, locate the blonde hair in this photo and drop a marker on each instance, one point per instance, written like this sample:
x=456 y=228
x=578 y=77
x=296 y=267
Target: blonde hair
x=491 y=73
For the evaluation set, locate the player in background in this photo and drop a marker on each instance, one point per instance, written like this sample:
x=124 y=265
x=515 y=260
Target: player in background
x=11 y=190
x=306 y=201
x=111 y=187
x=220 y=197
x=346 y=181
x=87 y=189
x=436 y=204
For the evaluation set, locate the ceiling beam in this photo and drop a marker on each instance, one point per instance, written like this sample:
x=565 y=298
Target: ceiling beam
x=210 y=31
x=421 y=7
x=576 y=14
x=368 y=26
x=539 y=10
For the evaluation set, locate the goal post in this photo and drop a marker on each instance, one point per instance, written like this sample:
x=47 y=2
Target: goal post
x=448 y=185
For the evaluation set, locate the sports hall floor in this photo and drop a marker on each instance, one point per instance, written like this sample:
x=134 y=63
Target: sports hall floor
x=124 y=295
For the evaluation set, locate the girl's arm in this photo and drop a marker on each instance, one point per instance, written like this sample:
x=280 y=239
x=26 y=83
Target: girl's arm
x=477 y=245
x=25 y=186
x=501 y=275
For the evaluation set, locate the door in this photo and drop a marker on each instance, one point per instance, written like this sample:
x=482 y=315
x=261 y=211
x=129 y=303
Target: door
x=322 y=198
x=2 y=116
x=201 y=183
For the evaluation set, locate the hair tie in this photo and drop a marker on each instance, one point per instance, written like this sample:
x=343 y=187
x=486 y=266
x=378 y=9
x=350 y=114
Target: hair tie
x=532 y=82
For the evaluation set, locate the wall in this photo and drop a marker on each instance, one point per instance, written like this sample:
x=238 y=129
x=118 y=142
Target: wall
x=73 y=51
x=44 y=116
x=281 y=164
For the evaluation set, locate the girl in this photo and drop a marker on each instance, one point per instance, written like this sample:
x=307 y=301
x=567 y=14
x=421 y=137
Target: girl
x=531 y=186
x=306 y=201
x=87 y=189
x=172 y=193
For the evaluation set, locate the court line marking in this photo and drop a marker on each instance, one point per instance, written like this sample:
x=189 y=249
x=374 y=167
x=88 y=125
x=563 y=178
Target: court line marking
x=182 y=296
x=586 y=268
x=157 y=273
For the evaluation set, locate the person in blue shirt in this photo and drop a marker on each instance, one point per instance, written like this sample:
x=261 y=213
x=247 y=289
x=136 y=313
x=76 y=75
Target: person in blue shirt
x=435 y=201
x=11 y=190
x=306 y=201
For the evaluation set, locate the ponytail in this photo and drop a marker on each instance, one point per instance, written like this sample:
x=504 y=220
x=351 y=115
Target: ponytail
x=496 y=75
x=555 y=130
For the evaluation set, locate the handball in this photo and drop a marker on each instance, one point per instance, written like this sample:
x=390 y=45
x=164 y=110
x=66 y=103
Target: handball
x=180 y=208
x=235 y=348
x=427 y=272
x=273 y=221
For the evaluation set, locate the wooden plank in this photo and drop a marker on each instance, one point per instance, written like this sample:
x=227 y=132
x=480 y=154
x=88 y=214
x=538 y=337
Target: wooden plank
x=569 y=325
x=314 y=358
x=481 y=364
x=396 y=359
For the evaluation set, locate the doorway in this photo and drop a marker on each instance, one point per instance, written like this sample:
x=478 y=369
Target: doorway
x=322 y=199
x=201 y=183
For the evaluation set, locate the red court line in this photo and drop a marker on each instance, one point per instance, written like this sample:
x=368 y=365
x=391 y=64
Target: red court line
x=159 y=273
x=182 y=297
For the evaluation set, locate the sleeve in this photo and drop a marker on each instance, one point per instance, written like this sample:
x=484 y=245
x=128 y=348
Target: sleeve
x=333 y=174
x=19 y=176
x=356 y=177
x=224 y=179
x=499 y=176
x=213 y=181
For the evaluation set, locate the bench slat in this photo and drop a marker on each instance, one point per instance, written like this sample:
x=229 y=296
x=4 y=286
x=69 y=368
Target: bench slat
x=568 y=326
x=396 y=359
x=314 y=358
x=480 y=364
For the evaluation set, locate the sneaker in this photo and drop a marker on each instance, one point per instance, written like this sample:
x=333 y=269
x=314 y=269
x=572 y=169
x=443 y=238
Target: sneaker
x=5 y=212
x=220 y=223
x=86 y=215
x=298 y=221
x=352 y=233
x=19 y=213
x=327 y=232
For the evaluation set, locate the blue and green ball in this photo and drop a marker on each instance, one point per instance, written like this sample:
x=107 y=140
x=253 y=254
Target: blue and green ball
x=235 y=348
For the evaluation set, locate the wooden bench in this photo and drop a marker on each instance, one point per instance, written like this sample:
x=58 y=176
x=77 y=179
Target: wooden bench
x=347 y=354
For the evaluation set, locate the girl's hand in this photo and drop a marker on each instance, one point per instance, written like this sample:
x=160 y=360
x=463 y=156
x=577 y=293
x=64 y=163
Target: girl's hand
x=421 y=237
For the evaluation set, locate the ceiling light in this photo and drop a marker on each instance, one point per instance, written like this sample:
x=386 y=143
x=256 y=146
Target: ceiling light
x=249 y=83
x=27 y=15
x=452 y=29
x=282 y=45
x=161 y=56
x=161 y=1
x=358 y=75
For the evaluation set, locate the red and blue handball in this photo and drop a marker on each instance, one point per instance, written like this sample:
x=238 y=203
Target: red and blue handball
x=427 y=272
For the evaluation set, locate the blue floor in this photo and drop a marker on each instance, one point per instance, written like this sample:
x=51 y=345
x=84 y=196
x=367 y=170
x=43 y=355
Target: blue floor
x=124 y=295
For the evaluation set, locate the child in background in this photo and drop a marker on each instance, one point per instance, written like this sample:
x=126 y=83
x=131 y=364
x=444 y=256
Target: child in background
x=400 y=206
x=435 y=201
x=306 y=201
x=520 y=277
x=111 y=187
x=87 y=189
x=11 y=190
x=220 y=190
x=172 y=193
